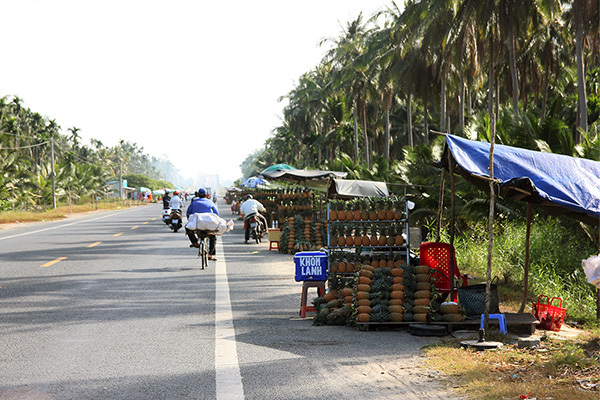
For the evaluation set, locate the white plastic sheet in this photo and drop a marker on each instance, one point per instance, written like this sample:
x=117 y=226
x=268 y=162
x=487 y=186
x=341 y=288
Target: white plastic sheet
x=591 y=267
x=209 y=222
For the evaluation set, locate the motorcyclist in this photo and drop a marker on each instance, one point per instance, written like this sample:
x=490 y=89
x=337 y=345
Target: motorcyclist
x=249 y=208
x=202 y=205
x=176 y=202
x=166 y=199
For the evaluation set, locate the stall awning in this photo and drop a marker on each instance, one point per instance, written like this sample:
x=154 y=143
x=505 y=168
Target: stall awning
x=300 y=175
x=349 y=189
x=560 y=184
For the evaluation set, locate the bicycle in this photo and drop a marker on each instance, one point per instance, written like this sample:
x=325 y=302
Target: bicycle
x=203 y=248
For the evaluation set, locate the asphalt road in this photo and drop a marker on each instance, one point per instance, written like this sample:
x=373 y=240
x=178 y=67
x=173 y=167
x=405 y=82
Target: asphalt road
x=113 y=305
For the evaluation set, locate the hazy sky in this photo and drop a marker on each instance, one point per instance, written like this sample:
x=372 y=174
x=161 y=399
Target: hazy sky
x=198 y=80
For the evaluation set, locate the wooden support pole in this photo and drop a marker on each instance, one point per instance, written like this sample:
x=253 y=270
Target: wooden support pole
x=441 y=207
x=452 y=224
x=526 y=272
x=488 y=290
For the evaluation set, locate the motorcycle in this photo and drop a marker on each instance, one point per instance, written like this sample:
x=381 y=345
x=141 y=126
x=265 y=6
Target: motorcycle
x=166 y=216
x=256 y=226
x=176 y=222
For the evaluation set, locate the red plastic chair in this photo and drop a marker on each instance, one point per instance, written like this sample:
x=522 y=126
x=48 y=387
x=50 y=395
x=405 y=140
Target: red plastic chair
x=436 y=255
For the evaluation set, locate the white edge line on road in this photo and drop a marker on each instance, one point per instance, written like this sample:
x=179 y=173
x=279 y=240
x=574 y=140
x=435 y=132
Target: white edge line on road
x=62 y=226
x=228 y=376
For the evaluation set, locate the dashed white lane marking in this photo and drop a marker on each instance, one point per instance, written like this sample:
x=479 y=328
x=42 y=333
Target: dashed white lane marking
x=229 y=378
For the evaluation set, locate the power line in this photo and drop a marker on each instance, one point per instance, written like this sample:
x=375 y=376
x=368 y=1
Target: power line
x=19 y=136
x=23 y=147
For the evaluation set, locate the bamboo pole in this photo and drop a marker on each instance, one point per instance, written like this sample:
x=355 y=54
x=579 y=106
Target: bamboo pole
x=526 y=272
x=452 y=224
x=490 y=224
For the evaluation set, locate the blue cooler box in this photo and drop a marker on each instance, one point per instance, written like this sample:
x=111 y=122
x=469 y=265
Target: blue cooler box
x=311 y=266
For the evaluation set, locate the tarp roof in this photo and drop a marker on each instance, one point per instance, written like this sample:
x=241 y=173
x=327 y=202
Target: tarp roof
x=277 y=167
x=560 y=184
x=300 y=175
x=348 y=189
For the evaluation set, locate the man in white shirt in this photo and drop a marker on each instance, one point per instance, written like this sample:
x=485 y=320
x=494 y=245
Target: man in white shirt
x=248 y=208
x=176 y=201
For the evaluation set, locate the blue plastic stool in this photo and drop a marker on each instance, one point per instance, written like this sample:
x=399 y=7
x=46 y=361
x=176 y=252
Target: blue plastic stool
x=501 y=319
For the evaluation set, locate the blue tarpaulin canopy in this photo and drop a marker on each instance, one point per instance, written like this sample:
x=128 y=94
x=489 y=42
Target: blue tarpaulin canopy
x=560 y=184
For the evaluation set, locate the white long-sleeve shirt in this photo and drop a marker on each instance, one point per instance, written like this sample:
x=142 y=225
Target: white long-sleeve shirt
x=176 y=202
x=251 y=206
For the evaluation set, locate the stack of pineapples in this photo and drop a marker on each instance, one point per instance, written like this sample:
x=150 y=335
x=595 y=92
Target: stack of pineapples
x=367 y=209
x=372 y=235
x=335 y=308
x=380 y=290
x=299 y=234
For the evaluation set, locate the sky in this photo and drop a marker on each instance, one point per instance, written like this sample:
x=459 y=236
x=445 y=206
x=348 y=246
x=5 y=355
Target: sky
x=196 y=81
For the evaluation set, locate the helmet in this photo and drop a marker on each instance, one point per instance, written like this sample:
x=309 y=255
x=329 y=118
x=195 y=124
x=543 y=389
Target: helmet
x=248 y=197
x=176 y=193
x=166 y=191
x=201 y=192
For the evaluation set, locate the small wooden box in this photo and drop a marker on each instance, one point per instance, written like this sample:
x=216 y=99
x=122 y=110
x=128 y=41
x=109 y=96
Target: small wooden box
x=274 y=234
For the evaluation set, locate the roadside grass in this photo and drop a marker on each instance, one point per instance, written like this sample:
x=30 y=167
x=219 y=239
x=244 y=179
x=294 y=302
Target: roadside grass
x=557 y=370
x=556 y=250
x=10 y=217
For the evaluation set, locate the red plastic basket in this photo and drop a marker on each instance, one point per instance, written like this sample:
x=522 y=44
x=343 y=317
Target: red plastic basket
x=550 y=317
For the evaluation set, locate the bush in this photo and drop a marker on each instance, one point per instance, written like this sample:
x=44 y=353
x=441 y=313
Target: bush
x=557 y=247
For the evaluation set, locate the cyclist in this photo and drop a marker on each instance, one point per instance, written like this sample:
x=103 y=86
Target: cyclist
x=202 y=205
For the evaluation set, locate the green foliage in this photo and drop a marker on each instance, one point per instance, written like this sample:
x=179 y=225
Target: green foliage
x=81 y=170
x=557 y=247
x=137 y=180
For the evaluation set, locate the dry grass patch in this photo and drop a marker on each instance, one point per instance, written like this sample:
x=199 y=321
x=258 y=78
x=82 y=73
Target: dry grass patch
x=61 y=212
x=557 y=370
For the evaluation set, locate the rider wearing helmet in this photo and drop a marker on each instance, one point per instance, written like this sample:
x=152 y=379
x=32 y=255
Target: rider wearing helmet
x=201 y=204
x=166 y=199
x=249 y=208
x=176 y=201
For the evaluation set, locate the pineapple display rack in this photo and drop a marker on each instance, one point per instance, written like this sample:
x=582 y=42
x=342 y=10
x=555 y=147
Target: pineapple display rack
x=284 y=203
x=369 y=225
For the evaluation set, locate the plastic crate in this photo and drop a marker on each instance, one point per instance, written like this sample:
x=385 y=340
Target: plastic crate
x=311 y=266
x=550 y=317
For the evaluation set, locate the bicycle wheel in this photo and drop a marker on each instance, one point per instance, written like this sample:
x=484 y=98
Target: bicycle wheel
x=203 y=253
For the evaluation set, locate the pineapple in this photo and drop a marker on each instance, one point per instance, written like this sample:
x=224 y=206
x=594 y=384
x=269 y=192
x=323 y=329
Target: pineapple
x=383 y=261
x=372 y=209
x=341 y=239
x=358 y=231
x=364 y=209
x=349 y=211
x=389 y=212
x=381 y=213
x=341 y=211
x=375 y=261
x=391 y=263
x=333 y=234
x=342 y=264
x=349 y=239
x=399 y=239
x=397 y=204
x=333 y=263
x=366 y=241
x=391 y=237
x=382 y=241
x=356 y=210
x=373 y=241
